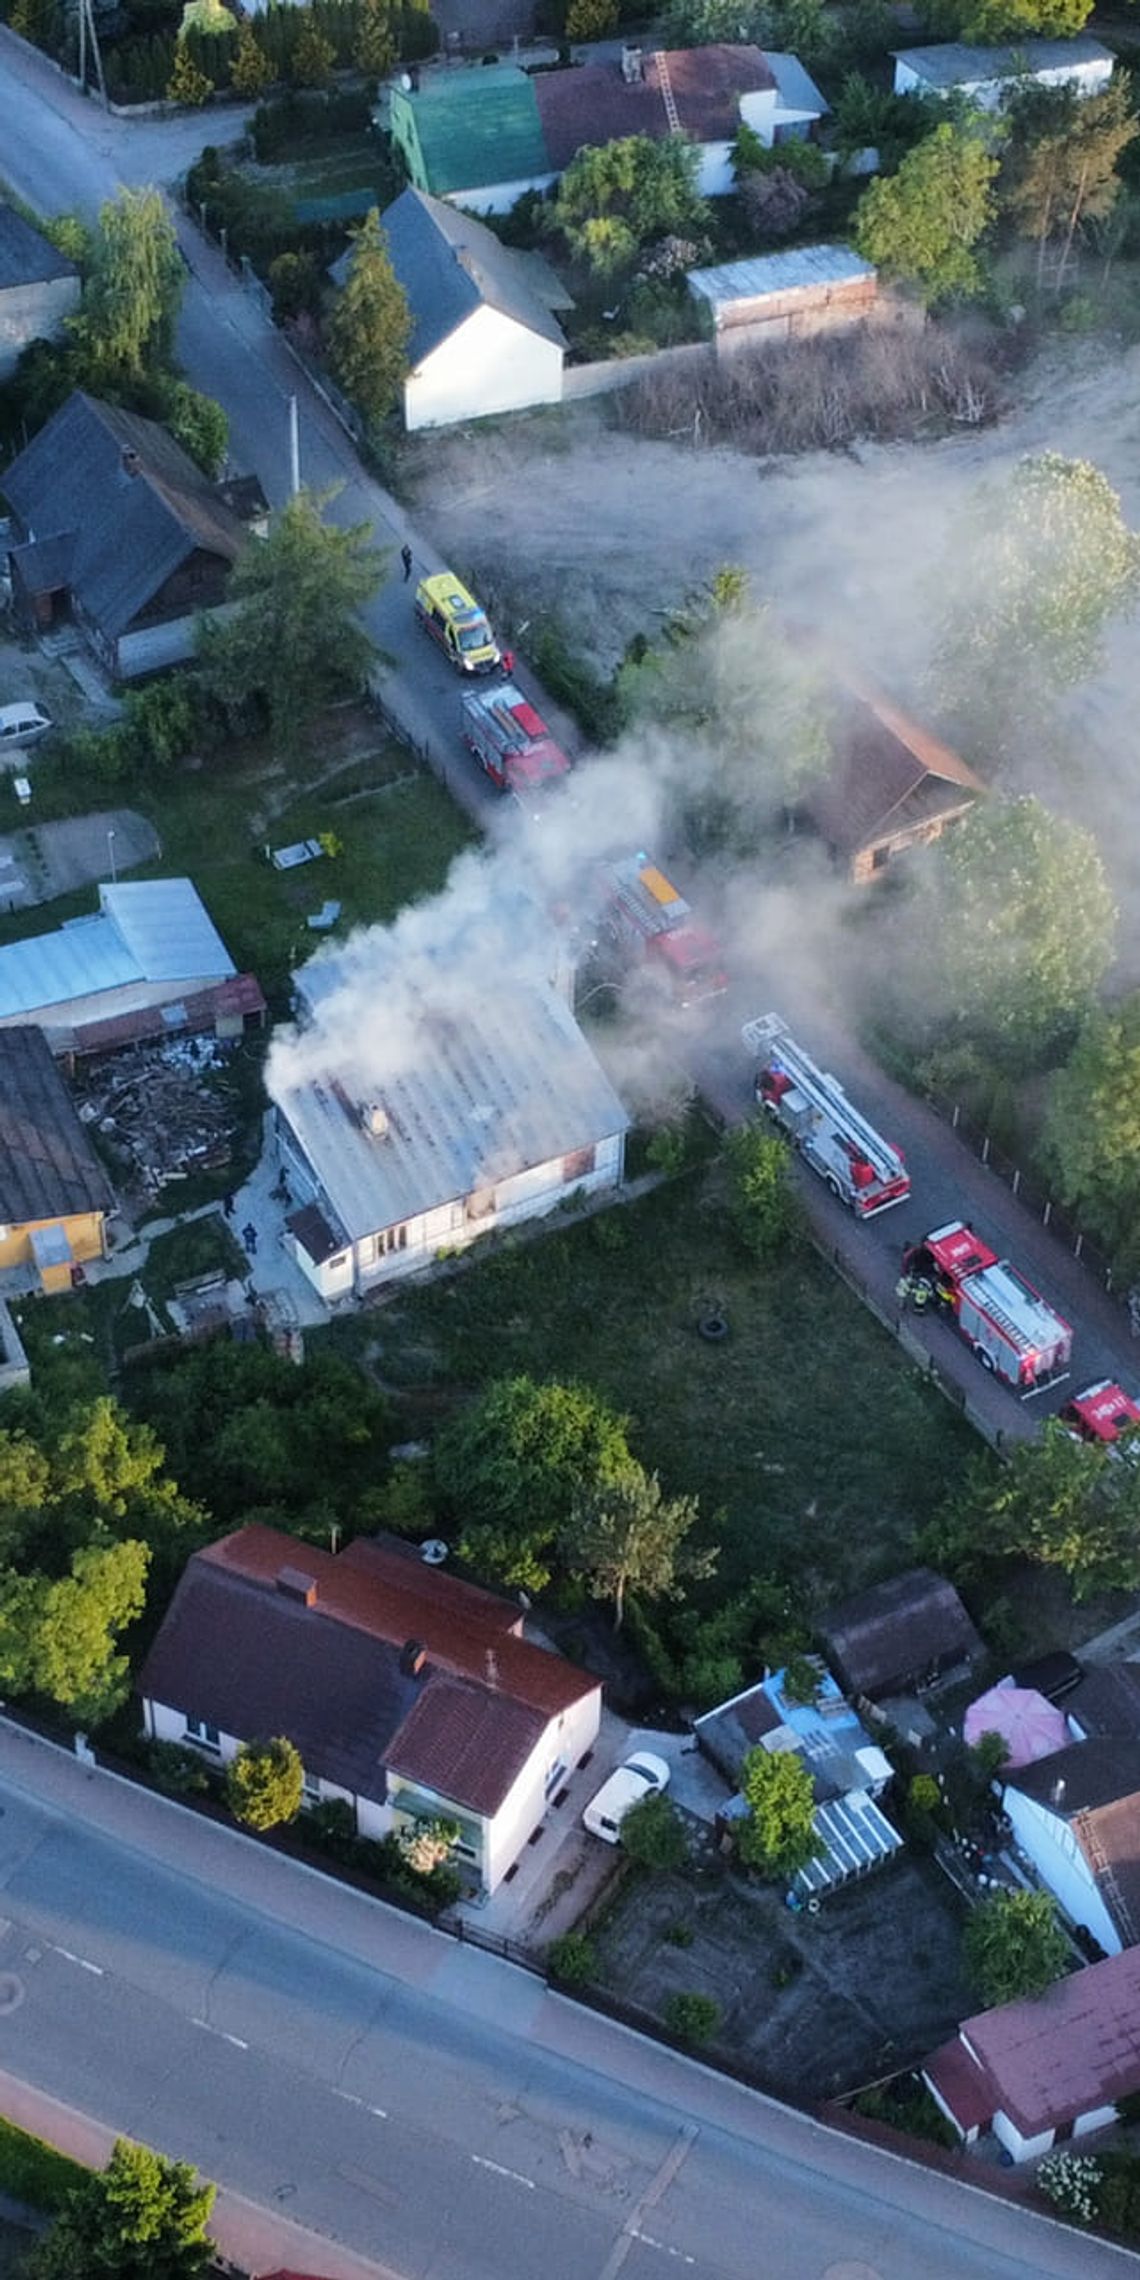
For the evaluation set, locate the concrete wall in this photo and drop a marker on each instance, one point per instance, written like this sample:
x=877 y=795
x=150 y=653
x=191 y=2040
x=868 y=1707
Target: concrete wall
x=33 y=312
x=1061 y=1865
x=492 y=364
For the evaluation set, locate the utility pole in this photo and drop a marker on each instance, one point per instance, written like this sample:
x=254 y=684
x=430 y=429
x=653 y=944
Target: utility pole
x=294 y=449
x=87 y=31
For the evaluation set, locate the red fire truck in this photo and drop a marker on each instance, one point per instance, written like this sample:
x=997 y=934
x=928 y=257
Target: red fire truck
x=864 y=1171
x=643 y=912
x=512 y=742
x=1102 y=1413
x=1011 y=1329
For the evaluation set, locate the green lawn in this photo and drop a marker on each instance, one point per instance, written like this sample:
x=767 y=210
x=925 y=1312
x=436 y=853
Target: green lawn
x=34 y=2172
x=816 y=1449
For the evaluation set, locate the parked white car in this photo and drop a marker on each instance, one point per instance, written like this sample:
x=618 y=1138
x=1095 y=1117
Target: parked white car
x=22 y=724
x=642 y=1775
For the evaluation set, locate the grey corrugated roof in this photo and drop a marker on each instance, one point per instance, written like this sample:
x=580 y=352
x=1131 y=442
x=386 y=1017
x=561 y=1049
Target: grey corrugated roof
x=788 y=272
x=953 y=64
x=167 y=930
x=26 y=256
x=132 y=531
x=450 y=265
x=48 y=1168
x=508 y=1084
x=152 y=930
x=795 y=88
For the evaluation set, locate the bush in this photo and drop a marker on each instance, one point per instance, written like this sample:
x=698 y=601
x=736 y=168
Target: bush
x=572 y=1959
x=178 y=1769
x=1070 y=2183
x=331 y=1826
x=692 y=2018
x=653 y=1834
x=265 y=1784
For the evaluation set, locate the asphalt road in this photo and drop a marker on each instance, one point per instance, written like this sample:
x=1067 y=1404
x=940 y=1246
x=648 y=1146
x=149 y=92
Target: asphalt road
x=420 y=2103
x=60 y=151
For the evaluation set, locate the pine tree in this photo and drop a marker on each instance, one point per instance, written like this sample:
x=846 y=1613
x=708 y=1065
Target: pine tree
x=187 y=86
x=371 y=326
x=376 y=45
x=252 y=72
x=313 y=57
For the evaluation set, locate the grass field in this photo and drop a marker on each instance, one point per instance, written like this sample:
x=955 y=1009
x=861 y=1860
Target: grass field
x=34 y=2172
x=816 y=1449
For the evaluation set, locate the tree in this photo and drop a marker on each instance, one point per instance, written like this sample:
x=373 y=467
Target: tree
x=141 y=2218
x=1037 y=568
x=744 y=710
x=313 y=56
x=198 y=424
x=186 y=85
x=512 y=1465
x=1015 y=915
x=779 y=1834
x=1090 y=1144
x=377 y=45
x=1059 y=166
x=624 y=1535
x=58 y=1636
x=763 y=1204
x=295 y=640
x=134 y=290
x=922 y=224
x=616 y=197
x=252 y=71
x=987 y=23
x=265 y=1784
x=653 y=1833
x=591 y=19
x=1013 y=1945
x=371 y=325
x=1057 y=1501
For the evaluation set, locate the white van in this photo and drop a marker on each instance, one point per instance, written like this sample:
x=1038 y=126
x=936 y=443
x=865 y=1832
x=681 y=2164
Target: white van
x=22 y=724
x=640 y=1776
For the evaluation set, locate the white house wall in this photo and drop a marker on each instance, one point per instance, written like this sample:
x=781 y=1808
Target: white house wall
x=490 y=364
x=37 y=311
x=1018 y=2147
x=497 y=197
x=758 y=111
x=991 y=94
x=1060 y=1863
x=566 y=1739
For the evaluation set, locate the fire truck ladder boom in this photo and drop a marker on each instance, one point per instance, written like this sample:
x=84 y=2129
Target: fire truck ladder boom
x=769 y=1037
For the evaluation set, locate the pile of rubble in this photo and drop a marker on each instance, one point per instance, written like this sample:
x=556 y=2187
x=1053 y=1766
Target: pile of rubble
x=161 y=1110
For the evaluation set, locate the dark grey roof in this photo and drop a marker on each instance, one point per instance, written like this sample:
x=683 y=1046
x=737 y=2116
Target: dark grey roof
x=897 y=1632
x=953 y=63
x=1106 y=1703
x=137 y=504
x=27 y=257
x=45 y=564
x=256 y=1663
x=1084 y=1778
x=48 y=1168
x=450 y=265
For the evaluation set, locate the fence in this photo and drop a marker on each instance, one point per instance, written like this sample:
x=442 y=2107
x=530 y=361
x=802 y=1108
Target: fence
x=1034 y=1198
x=621 y=371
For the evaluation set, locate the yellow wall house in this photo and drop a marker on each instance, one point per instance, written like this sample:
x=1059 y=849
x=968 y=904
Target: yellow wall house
x=54 y=1193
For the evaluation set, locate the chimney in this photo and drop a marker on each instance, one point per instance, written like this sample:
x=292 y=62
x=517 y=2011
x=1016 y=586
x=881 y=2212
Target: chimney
x=293 y=1583
x=130 y=460
x=491 y=1668
x=632 y=67
x=413 y=1658
x=374 y=1119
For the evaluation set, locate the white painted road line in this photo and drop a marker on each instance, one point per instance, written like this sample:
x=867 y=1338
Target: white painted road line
x=96 y=1969
x=498 y=2170
x=647 y=2241
x=208 y=2028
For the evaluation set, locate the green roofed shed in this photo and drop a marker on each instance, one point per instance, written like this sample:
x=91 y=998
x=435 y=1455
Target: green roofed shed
x=464 y=130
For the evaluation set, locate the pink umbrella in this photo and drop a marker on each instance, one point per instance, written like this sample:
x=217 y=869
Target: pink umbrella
x=1030 y=1727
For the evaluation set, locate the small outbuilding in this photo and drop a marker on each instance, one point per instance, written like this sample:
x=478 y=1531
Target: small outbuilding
x=891 y=785
x=54 y=1193
x=775 y=297
x=990 y=76
x=39 y=288
x=902 y=1633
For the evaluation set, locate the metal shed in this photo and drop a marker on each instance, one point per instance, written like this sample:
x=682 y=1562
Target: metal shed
x=785 y=296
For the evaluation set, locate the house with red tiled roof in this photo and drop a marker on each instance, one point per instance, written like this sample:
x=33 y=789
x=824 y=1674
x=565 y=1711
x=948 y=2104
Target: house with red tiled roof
x=409 y=1694
x=482 y=137
x=1047 y=2067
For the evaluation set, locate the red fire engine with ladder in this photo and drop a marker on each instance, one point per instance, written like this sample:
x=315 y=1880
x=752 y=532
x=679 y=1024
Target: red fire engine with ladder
x=512 y=742
x=643 y=910
x=863 y=1170
x=1011 y=1329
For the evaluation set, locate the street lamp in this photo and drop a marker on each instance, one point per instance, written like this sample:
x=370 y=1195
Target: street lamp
x=111 y=851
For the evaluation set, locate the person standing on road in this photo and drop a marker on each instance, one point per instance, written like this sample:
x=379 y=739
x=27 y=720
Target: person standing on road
x=406 y=559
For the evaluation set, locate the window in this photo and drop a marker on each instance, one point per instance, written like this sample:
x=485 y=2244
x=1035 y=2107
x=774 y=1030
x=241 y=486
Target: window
x=578 y=1165
x=555 y=1775
x=311 y=1789
x=393 y=1239
x=206 y=1736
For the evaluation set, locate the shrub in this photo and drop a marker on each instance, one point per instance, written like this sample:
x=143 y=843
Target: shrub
x=331 y=1826
x=177 y=1769
x=265 y=1784
x=653 y=1834
x=1070 y=2183
x=573 y=1959
x=692 y=2018
x=679 y=1934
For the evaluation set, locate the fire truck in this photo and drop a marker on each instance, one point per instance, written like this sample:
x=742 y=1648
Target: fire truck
x=513 y=744
x=1011 y=1329
x=1102 y=1413
x=865 y=1172
x=644 y=913
x=452 y=616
